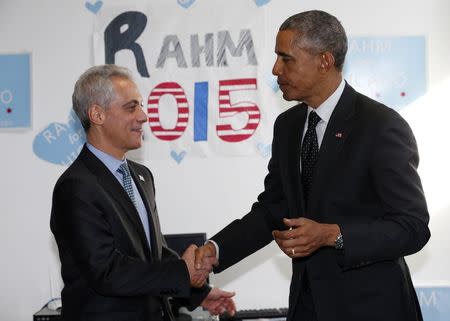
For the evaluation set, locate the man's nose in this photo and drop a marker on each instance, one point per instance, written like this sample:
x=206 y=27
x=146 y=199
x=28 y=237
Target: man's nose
x=276 y=70
x=142 y=117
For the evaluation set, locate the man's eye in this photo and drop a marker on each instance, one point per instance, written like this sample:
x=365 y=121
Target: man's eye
x=133 y=105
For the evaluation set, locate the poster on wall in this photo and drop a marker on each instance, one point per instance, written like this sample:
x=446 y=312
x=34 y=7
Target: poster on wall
x=206 y=80
x=434 y=302
x=60 y=142
x=200 y=75
x=15 y=91
x=390 y=70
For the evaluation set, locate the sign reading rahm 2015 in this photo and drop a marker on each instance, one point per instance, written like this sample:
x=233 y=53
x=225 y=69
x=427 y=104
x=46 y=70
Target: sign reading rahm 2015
x=205 y=70
x=199 y=77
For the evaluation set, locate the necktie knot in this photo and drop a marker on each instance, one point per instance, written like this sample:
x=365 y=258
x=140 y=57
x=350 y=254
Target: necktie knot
x=126 y=180
x=313 y=120
x=124 y=170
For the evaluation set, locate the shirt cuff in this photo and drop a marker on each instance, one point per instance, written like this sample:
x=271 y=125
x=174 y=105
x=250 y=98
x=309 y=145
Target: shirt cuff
x=216 y=246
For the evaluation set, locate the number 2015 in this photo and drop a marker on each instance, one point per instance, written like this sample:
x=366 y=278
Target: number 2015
x=227 y=109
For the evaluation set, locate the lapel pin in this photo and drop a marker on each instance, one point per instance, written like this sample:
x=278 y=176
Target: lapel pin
x=141 y=178
x=338 y=135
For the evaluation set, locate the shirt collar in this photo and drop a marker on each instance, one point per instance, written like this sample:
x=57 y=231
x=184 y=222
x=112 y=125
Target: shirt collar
x=110 y=162
x=326 y=108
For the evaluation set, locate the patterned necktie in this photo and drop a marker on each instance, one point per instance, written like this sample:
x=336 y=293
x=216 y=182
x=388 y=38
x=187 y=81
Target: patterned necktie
x=310 y=152
x=126 y=179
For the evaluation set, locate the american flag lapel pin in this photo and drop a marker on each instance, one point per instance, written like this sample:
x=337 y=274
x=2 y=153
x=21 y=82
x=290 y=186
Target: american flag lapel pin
x=338 y=135
x=141 y=178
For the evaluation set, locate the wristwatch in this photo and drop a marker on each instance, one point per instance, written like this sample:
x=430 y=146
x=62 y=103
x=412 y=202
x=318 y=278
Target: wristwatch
x=339 y=242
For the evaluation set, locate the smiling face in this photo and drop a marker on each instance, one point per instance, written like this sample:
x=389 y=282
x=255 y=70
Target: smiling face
x=298 y=71
x=122 y=120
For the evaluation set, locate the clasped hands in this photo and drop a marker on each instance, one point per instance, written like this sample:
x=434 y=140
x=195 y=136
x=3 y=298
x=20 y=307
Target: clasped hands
x=305 y=236
x=199 y=268
x=200 y=262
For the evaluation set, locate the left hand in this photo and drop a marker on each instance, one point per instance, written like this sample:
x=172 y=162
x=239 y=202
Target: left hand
x=219 y=301
x=305 y=236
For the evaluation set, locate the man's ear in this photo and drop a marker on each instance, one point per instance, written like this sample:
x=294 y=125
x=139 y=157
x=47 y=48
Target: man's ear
x=327 y=61
x=96 y=114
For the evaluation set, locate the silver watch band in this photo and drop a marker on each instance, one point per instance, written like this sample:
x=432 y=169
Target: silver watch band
x=339 y=242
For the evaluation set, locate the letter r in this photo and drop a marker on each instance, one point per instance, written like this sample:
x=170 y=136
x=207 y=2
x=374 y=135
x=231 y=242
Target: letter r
x=115 y=40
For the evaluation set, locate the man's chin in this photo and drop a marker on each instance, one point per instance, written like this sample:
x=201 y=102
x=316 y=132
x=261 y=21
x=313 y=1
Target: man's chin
x=287 y=97
x=136 y=145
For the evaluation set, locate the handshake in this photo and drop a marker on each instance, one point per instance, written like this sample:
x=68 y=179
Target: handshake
x=200 y=262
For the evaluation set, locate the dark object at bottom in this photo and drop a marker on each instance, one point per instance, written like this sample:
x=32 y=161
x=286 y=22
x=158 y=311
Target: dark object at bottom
x=256 y=314
x=46 y=314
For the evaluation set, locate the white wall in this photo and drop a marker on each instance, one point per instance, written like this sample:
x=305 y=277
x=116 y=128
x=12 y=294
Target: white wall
x=199 y=195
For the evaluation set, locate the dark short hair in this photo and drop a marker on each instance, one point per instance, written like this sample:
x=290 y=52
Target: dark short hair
x=318 y=31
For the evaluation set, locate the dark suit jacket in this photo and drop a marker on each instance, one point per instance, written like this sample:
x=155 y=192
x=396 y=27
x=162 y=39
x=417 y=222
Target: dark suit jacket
x=108 y=269
x=366 y=182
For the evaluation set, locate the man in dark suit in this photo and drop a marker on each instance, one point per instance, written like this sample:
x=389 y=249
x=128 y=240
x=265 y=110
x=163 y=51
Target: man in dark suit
x=342 y=196
x=115 y=263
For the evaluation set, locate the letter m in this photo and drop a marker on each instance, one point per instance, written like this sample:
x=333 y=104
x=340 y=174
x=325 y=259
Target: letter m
x=427 y=301
x=245 y=41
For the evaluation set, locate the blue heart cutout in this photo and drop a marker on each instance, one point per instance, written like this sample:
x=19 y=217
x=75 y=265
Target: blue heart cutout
x=261 y=3
x=264 y=149
x=185 y=3
x=271 y=81
x=94 y=7
x=60 y=143
x=178 y=157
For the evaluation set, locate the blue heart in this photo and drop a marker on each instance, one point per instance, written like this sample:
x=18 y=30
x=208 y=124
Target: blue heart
x=178 y=157
x=271 y=81
x=185 y=3
x=264 y=149
x=60 y=143
x=260 y=3
x=94 y=7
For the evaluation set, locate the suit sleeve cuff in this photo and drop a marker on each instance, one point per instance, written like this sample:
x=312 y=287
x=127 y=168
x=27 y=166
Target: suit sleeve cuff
x=216 y=246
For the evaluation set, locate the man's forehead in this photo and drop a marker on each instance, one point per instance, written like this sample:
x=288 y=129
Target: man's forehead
x=286 y=37
x=285 y=40
x=121 y=81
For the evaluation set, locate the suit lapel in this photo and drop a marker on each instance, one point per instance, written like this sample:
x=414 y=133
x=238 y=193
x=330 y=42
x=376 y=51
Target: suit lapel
x=338 y=129
x=144 y=185
x=126 y=212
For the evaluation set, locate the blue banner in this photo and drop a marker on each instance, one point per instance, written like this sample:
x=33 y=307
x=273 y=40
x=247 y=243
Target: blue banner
x=390 y=70
x=434 y=302
x=15 y=91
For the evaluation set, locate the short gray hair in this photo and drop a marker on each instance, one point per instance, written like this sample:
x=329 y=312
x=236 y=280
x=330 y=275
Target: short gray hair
x=318 y=31
x=95 y=86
